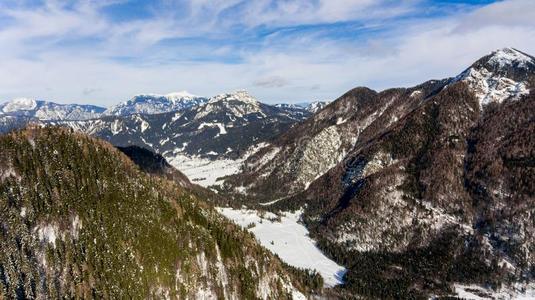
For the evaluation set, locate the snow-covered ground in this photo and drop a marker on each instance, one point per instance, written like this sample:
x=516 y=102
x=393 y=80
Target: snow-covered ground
x=288 y=239
x=203 y=171
x=474 y=292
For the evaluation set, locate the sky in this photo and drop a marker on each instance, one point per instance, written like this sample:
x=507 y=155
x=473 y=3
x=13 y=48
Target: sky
x=104 y=52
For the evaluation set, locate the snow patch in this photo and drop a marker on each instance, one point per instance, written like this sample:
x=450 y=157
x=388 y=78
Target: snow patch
x=144 y=125
x=475 y=292
x=490 y=87
x=415 y=93
x=508 y=56
x=340 y=121
x=162 y=142
x=19 y=104
x=7 y=173
x=222 y=129
x=48 y=233
x=115 y=127
x=288 y=239
x=76 y=225
x=378 y=162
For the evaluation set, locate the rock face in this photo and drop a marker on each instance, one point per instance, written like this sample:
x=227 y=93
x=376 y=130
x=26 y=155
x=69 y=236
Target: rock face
x=79 y=220
x=414 y=189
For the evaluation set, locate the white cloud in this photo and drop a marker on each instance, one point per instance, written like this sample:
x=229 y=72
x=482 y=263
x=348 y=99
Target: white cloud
x=48 y=59
x=271 y=82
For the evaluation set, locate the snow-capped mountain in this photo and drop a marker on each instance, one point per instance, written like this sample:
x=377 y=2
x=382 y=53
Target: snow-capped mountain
x=388 y=177
x=217 y=134
x=44 y=110
x=155 y=104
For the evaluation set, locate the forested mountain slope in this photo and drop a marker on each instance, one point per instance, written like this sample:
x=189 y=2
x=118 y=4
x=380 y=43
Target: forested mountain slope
x=79 y=219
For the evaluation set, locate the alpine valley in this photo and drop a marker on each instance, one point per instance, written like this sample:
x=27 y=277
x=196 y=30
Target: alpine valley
x=426 y=192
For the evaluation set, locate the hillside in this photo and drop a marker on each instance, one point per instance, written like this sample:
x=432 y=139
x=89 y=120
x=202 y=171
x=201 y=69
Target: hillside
x=79 y=219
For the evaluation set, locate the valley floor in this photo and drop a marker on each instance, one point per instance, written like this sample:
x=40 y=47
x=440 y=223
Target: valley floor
x=202 y=171
x=288 y=239
x=474 y=292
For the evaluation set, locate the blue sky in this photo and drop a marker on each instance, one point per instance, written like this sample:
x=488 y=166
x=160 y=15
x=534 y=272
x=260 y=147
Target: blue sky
x=103 y=52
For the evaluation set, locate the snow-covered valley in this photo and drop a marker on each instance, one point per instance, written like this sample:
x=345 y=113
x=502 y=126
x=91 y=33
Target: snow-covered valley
x=288 y=239
x=475 y=292
x=203 y=171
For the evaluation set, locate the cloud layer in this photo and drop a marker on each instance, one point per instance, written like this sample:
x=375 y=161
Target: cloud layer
x=103 y=52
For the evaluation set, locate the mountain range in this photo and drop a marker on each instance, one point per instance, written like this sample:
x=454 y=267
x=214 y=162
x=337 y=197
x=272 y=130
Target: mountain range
x=419 y=192
x=28 y=109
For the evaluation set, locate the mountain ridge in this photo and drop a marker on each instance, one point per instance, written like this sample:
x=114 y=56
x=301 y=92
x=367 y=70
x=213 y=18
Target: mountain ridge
x=45 y=110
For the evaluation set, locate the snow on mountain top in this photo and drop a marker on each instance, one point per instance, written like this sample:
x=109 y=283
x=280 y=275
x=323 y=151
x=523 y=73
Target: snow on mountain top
x=19 y=104
x=239 y=95
x=175 y=96
x=499 y=76
x=156 y=103
x=508 y=56
x=180 y=95
x=288 y=105
x=246 y=104
x=45 y=110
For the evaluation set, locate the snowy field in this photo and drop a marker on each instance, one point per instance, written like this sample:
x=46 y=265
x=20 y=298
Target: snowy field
x=474 y=292
x=204 y=171
x=289 y=240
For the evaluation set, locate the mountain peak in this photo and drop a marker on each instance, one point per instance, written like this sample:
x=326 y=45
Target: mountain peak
x=174 y=96
x=180 y=95
x=509 y=56
x=19 y=104
x=156 y=103
x=239 y=95
x=503 y=74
